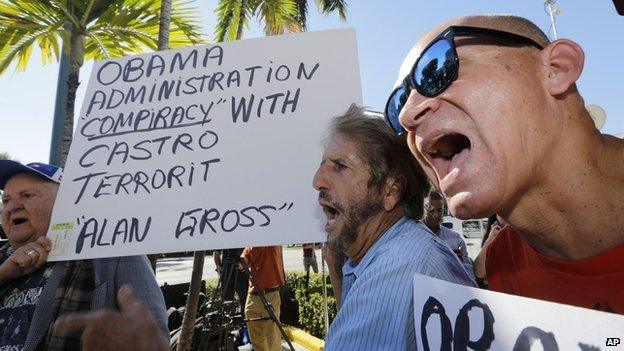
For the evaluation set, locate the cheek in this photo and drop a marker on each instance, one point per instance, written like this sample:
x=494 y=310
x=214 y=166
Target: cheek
x=411 y=143
x=39 y=217
x=5 y=219
x=488 y=188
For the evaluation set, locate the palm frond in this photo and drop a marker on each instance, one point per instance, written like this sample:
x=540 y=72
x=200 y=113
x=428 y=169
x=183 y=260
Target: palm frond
x=278 y=16
x=302 y=13
x=228 y=19
x=21 y=49
x=329 y=6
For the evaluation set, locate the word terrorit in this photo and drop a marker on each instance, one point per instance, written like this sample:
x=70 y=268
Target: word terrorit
x=100 y=184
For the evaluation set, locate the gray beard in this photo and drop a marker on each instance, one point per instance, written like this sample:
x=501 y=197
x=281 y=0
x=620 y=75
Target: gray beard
x=354 y=218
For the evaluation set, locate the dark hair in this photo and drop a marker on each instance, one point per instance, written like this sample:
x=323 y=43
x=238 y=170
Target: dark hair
x=435 y=195
x=386 y=155
x=490 y=222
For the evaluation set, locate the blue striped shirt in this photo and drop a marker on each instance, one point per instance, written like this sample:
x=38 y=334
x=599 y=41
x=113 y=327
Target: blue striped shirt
x=453 y=239
x=377 y=311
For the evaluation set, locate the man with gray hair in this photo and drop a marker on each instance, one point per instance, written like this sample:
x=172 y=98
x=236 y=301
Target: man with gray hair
x=492 y=113
x=371 y=191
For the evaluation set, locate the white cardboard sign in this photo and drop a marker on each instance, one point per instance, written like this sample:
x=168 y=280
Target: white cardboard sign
x=206 y=147
x=448 y=316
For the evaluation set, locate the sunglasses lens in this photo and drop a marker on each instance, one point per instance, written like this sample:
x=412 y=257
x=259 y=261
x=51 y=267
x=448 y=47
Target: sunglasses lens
x=436 y=69
x=393 y=108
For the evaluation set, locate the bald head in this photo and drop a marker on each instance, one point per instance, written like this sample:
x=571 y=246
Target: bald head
x=478 y=97
x=508 y=23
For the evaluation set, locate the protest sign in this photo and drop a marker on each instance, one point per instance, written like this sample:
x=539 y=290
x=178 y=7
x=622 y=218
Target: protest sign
x=448 y=316
x=206 y=147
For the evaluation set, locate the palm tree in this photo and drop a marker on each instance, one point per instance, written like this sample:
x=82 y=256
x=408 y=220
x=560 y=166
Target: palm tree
x=164 y=26
x=326 y=7
x=277 y=16
x=89 y=29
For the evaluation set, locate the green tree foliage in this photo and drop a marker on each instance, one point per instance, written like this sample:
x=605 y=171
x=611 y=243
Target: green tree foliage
x=277 y=16
x=309 y=299
x=87 y=29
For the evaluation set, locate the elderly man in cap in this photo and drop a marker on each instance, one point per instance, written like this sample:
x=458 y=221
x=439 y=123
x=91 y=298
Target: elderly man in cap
x=35 y=293
x=493 y=114
x=371 y=191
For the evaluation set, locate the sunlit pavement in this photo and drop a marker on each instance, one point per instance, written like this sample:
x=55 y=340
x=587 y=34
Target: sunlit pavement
x=178 y=270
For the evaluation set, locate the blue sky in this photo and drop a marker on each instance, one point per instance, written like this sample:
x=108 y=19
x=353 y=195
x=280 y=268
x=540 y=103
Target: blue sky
x=385 y=31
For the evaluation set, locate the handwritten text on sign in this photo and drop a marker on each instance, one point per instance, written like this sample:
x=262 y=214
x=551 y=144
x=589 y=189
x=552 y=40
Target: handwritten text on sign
x=453 y=317
x=205 y=147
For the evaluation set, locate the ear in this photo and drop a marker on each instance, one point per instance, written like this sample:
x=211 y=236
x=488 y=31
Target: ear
x=393 y=192
x=564 y=61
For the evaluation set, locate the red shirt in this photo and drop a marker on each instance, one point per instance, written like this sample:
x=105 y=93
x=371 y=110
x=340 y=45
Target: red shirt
x=514 y=267
x=265 y=264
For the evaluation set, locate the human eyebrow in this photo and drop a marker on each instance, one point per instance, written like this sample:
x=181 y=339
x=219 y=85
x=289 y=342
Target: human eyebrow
x=338 y=161
x=28 y=193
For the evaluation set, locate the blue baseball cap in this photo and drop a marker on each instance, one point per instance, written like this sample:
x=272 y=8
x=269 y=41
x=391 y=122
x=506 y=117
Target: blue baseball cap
x=9 y=168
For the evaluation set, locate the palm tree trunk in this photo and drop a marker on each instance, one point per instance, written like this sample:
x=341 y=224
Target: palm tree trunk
x=164 y=22
x=185 y=341
x=76 y=58
x=241 y=20
x=190 y=315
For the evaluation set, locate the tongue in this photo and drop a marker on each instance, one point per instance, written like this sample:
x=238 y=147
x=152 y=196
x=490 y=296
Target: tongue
x=458 y=159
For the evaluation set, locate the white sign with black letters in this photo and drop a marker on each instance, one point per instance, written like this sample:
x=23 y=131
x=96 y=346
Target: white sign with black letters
x=453 y=317
x=205 y=147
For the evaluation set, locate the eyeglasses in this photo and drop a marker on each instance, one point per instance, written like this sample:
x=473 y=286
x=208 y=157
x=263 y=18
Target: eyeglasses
x=437 y=68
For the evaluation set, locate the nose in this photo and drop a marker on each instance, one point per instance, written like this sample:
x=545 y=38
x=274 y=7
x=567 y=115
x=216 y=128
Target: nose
x=416 y=108
x=7 y=208
x=10 y=206
x=320 y=179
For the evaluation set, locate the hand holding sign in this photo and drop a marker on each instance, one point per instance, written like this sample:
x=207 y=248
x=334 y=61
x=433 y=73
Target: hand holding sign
x=131 y=328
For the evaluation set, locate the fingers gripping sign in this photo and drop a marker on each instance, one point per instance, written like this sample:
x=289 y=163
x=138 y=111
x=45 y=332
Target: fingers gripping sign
x=131 y=328
x=26 y=259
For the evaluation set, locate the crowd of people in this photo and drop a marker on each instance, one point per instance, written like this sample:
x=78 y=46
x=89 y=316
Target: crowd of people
x=485 y=111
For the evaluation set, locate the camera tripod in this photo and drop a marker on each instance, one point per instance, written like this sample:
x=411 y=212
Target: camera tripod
x=267 y=306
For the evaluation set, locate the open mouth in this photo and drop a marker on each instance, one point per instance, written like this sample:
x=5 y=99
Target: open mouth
x=447 y=151
x=18 y=221
x=332 y=213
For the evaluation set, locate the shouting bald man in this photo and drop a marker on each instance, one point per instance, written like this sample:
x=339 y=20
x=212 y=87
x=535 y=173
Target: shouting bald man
x=493 y=114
